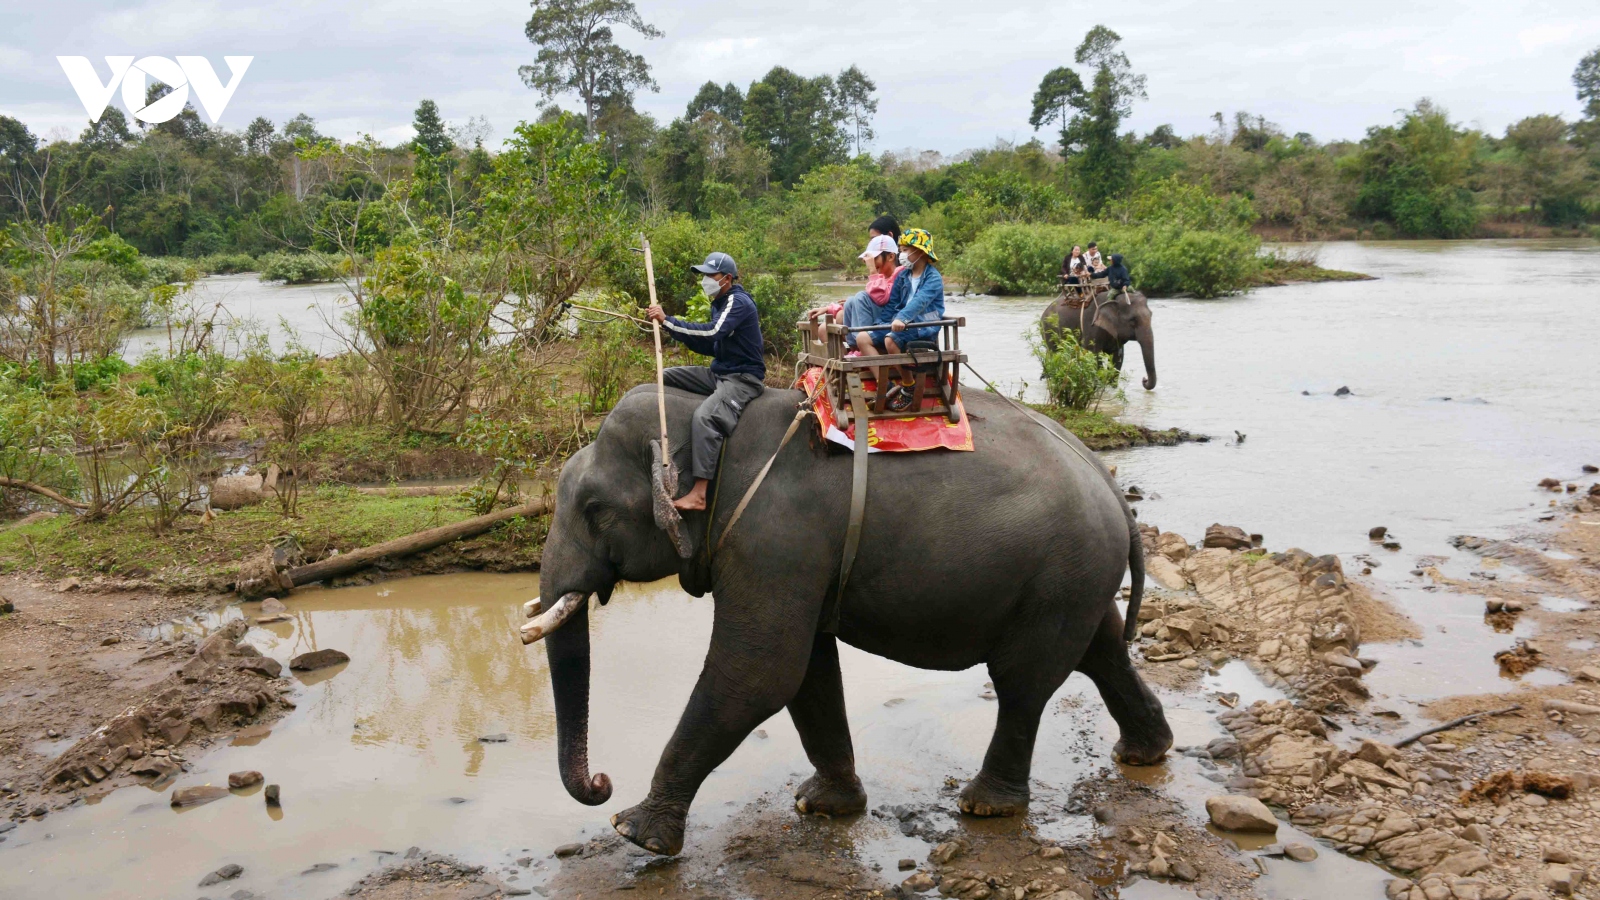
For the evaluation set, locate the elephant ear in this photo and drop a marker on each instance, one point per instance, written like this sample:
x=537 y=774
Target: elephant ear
x=1115 y=318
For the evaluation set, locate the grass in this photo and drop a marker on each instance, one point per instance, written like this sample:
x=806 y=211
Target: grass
x=194 y=557
x=354 y=454
x=1099 y=431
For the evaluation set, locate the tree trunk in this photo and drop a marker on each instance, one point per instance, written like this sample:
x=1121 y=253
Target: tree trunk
x=412 y=543
x=42 y=491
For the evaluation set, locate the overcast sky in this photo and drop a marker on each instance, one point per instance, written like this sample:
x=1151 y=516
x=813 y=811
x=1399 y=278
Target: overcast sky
x=950 y=75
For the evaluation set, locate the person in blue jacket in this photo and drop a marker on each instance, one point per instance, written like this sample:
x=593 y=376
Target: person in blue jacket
x=737 y=373
x=917 y=296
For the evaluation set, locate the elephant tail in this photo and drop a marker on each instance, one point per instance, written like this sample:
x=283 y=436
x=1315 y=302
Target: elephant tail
x=1136 y=580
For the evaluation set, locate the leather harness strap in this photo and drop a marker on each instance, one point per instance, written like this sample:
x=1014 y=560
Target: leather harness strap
x=858 y=505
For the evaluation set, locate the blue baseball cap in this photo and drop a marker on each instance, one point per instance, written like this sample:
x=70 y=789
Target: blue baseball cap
x=718 y=264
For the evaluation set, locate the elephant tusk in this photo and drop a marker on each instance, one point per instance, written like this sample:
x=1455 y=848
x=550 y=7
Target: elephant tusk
x=532 y=608
x=554 y=617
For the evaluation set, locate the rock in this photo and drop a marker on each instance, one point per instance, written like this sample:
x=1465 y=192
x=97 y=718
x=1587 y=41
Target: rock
x=945 y=852
x=494 y=739
x=1560 y=880
x=1590 y=469
x=918 y=883
x=318 y=659
x=1550 y=484
x=566 y=850
x=1226 y=537
x=1361 y=770
x=1420 y=850
x=1554 y=855
x=907 y=864
x=1184 y=871
x=184 y=798
x=1166 y=573
x=1172 y=546
x=236 y=491
x=1377 y=532
x=1463 y=864
x=1343 y=391
x=226 y=873
x=1235 y=813
x=1397 y=889
x=1376 y=752
x=1477 y=834
x=1570 y=708
x=1589 y=673
x=320 y=867
x=273 y=795
x=245 y=779
x=1052 y=853
x=272 y=606
x=1300 y=852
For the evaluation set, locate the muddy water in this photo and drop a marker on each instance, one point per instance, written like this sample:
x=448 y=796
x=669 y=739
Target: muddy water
x=385 y=753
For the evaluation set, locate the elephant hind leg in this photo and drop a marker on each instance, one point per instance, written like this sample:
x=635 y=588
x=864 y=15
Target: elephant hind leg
x=818 y=713
x=1027 y=670
x=1146 y=737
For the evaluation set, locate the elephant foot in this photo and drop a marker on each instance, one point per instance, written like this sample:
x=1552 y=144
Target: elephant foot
x=821 y=796
x=1147 y=750
x=985 y=796
x=658 y=832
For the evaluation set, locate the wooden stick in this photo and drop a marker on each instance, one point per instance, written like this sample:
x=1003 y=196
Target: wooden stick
x=1453 y=723
x=655 y=328
x=611 y=312
x=411 y=543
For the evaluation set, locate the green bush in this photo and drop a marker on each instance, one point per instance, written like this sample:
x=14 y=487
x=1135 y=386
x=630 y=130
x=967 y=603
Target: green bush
x=170 y=270
x=1163 y=259
x=121 y=256
x=298 y=268
x=226 y=263
x=781 y=300
x=1074 y=377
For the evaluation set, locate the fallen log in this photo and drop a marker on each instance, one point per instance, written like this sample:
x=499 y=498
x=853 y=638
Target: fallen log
x=1453 y=723
x=42 y=491
x=345 y=563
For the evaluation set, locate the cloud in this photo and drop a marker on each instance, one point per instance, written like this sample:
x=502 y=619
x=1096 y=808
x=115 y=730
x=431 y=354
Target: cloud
x=952 y=76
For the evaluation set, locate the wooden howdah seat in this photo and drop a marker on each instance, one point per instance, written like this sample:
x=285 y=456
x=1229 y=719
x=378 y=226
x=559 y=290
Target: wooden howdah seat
x=936 y=366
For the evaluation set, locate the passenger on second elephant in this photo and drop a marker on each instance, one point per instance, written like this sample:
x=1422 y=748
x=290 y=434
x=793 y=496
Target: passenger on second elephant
x=1116 y=274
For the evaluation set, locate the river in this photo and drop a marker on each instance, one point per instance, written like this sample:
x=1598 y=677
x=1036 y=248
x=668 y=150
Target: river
x=1463 y=394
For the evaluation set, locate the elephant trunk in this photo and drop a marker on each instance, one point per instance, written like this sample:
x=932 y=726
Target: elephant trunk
x=568 y=650
x=1146 y=337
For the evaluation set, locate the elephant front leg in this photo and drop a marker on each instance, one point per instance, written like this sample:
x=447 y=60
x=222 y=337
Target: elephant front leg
x=818 y=713
x=752 y=670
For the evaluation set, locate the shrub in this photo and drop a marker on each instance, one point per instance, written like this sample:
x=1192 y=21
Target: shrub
x=781 y=300
x=298 y=268
x=121 y=256
x=1163 y=259
x=1074 y=377
x=226 y=263
x=168 y=270
x=611 y=357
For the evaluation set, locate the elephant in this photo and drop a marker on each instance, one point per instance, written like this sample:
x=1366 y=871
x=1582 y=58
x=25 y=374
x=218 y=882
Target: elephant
x=1010 y=555
x=1111 y=322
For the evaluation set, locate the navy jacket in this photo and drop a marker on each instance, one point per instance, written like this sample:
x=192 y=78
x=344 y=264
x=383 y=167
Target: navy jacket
x=732 y=338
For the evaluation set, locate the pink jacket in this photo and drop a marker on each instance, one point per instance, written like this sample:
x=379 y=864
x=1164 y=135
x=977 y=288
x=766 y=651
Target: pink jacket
x=878 y=286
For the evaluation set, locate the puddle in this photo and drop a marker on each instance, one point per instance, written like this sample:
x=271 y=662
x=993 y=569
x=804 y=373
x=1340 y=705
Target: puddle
x=1563 y=604
x=1543 y=678
x=1236 y=677
x=1581 y=644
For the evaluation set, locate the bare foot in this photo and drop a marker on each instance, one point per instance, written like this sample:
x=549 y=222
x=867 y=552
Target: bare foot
x=695 y=499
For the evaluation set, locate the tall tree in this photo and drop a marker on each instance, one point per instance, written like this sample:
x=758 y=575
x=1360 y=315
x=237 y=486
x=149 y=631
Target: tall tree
x=725 y=101
x=258 y=136
x=1060 y=90
x=431 y=133
x=578 y=52
x=1586 y=78
x=798 y=120
x=855 y=91
x=1103 y=164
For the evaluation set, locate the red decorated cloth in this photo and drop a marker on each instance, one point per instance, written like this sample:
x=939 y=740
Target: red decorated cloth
x=892 y=435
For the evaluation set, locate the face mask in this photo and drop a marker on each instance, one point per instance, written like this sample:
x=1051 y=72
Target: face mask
x=710 y=286
x=904 y=259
